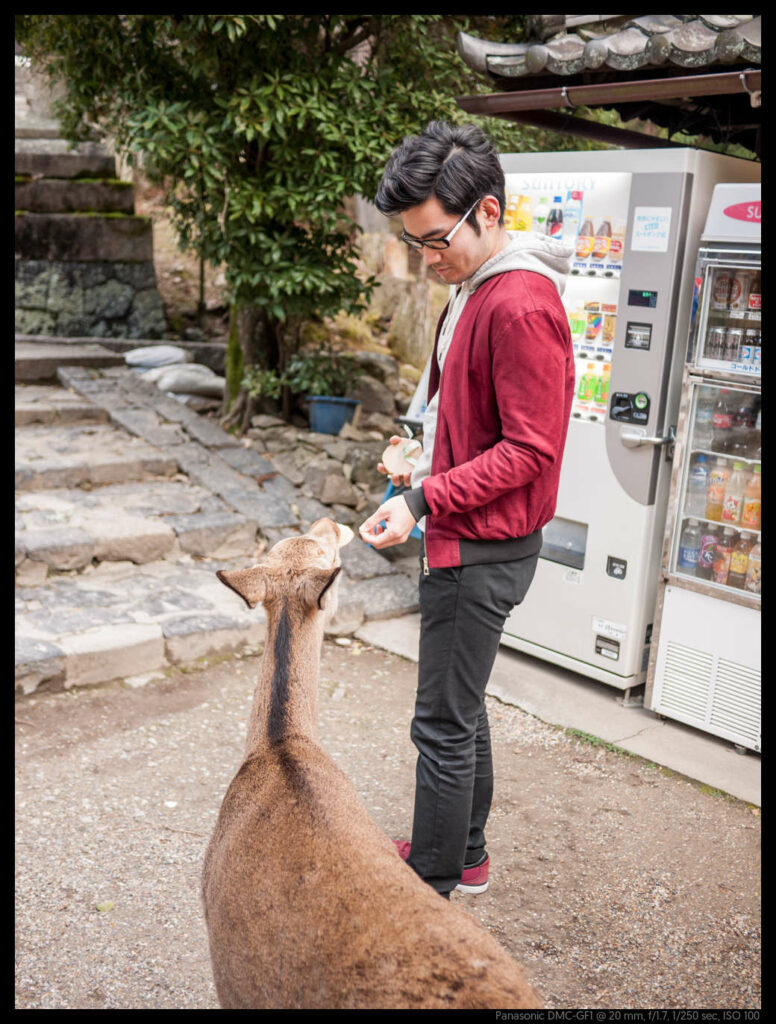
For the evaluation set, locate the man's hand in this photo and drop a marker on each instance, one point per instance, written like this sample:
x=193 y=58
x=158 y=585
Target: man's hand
x=399 y=522
x=397 y=479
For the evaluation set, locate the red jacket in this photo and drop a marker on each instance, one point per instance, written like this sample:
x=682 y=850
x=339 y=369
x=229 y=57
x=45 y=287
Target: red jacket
x=504 y=409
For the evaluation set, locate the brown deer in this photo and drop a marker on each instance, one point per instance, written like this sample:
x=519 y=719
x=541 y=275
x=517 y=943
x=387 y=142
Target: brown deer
x=307 y=901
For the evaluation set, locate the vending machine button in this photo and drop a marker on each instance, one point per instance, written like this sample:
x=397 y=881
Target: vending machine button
x=616 y=567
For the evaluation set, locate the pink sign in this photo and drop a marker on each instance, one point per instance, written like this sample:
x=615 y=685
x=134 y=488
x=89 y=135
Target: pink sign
x=744 y=211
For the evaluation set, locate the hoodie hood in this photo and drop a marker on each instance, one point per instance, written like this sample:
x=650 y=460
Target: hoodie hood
x=528 y=251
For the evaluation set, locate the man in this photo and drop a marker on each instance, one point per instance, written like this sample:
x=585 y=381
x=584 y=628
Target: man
x=500 y=391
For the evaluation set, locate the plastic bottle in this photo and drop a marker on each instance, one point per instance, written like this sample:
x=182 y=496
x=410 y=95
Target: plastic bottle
x=715 y=496
x=723 y=554
x=697 y=487
x=510 y=212
x=733 y=504
x=541 y=213
x=601 y=395
x=743 y=424
x=555 y=219
x=689 y=547
x=587 y=384
x=572 y=215
x=752 y=512
x=585 y=240
x=613 y=265
x=524 y=214
x=754 y=570
x=709 y=537
x=722 y=423
x=754 y=302
x=739 y=561
x=703 y=433
x=602 y=241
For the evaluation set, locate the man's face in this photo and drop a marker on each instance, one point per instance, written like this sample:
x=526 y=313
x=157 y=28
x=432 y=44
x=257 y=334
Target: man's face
x=467 y=251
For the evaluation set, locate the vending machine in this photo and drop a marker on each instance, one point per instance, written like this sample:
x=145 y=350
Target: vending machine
x=634 y=218
x=705 y=668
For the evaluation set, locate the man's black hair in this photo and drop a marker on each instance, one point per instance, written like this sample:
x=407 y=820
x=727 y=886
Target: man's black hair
x=456 y=164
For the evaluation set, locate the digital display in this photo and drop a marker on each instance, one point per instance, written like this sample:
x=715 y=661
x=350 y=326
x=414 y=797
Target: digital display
x=637 y=297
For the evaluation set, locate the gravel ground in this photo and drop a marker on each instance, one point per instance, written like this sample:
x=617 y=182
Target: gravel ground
x=617 y=884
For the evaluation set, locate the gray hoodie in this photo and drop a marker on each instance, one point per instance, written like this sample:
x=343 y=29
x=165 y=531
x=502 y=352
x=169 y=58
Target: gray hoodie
x=525 y=251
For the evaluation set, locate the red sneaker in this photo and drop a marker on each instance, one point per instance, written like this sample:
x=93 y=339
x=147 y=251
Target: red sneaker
x=473 y=880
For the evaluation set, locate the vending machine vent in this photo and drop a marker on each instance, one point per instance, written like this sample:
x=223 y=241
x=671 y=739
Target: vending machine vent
x=686 y=680
x=736 y=700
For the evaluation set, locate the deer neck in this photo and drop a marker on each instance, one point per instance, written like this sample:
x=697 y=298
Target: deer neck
x=286 y=697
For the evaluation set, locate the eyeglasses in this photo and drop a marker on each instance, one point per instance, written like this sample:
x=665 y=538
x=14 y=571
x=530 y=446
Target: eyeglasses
x=436 y=243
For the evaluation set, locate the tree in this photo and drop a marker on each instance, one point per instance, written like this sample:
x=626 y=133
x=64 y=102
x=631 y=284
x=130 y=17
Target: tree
x=260 y=126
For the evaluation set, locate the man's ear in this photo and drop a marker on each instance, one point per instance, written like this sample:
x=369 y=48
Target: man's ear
x=250 y=584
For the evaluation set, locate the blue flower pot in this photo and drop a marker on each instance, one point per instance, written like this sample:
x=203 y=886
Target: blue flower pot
x=328 y=415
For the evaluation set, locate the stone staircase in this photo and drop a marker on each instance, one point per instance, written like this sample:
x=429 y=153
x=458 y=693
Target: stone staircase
x=84 y=261
x=127 y=503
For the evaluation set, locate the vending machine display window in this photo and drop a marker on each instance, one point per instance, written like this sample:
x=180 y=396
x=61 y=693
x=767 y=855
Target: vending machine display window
x=728 y=335
x=720 y=502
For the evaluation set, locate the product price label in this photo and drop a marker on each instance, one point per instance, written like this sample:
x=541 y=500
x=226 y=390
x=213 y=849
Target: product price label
x=612 y=629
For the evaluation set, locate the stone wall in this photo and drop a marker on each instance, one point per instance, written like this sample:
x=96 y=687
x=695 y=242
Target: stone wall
x=84 y=261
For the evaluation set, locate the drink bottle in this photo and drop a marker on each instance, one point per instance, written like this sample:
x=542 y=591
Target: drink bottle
x=555 y=219
x=733 y=503
x=602 y=241
x=689 y=547
x=722 y=423
x=541 y=213
x=510 y=212
x=703 y=433
x=752 y=512
x=697 y=488
x=754 y=570
x=723 y=554
x=739 y=561
x=715 y=496
x=524 y=215
x=754 y=301
x=709 y=537
x=572 y=215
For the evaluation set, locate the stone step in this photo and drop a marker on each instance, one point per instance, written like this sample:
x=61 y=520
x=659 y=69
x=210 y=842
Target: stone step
x=83 y=237
x=49 y=457
x=53 y=158
x=71 y=529
x=58 y=195
x=209 y=353
x=48 y=404
x=34 y=361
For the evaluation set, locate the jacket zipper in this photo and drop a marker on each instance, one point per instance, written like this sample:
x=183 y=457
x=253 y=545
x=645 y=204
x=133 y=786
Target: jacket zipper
x=425 y=566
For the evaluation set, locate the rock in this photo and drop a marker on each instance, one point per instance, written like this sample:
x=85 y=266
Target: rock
x=381 y=366
x=374 y=396
x=191 y=379
x=156 y=356
x=335 y=489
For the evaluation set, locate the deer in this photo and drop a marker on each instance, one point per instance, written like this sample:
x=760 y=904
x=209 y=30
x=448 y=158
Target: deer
x=307 y=903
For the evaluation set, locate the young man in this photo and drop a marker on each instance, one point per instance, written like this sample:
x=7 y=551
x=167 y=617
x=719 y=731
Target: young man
x=499 y=399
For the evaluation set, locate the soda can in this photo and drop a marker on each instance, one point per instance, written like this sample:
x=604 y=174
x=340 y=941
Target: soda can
x=715 y=343
x=734 y=336
x=721 y=289
x=740 y=287
x=746 y=351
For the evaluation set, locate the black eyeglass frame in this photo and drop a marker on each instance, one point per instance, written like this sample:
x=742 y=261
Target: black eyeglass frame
x=437 y=243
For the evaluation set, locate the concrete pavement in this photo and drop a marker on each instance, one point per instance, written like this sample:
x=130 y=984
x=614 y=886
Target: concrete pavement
x=572 y=701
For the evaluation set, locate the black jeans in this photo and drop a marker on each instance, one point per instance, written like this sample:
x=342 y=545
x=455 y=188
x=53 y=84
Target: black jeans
x=463 y=611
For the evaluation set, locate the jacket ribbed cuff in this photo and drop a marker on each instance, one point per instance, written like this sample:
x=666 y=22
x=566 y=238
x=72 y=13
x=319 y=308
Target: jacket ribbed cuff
x=416 y=502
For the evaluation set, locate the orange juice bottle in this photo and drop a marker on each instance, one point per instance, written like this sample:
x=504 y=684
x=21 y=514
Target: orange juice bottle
x=524 y=214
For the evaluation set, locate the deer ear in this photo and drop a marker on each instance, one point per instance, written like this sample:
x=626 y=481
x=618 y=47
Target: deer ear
x=250 y=584
x=317 y=583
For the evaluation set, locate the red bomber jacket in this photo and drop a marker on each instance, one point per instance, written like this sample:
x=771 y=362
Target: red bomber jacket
x=504 y=408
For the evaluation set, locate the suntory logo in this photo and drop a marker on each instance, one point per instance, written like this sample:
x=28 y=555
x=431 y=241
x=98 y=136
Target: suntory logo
x=744 y=211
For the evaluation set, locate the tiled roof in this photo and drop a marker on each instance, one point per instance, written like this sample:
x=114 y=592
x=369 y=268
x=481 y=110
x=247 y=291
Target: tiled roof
x=564 y=51
x=576 y=44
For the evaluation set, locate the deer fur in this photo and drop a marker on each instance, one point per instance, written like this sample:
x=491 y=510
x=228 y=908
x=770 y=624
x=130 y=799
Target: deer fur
x=307 y=902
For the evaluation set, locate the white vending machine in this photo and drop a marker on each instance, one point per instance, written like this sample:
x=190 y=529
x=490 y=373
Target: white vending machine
x=705 y=669
x=635 y=219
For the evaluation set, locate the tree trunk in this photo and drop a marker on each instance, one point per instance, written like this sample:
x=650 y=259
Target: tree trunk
x=253 y=341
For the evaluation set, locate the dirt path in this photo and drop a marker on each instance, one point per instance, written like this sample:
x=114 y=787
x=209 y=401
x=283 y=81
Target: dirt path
x=616 y=884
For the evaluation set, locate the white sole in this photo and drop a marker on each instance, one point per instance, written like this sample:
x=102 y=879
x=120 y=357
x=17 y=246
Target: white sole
x=472 y=888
